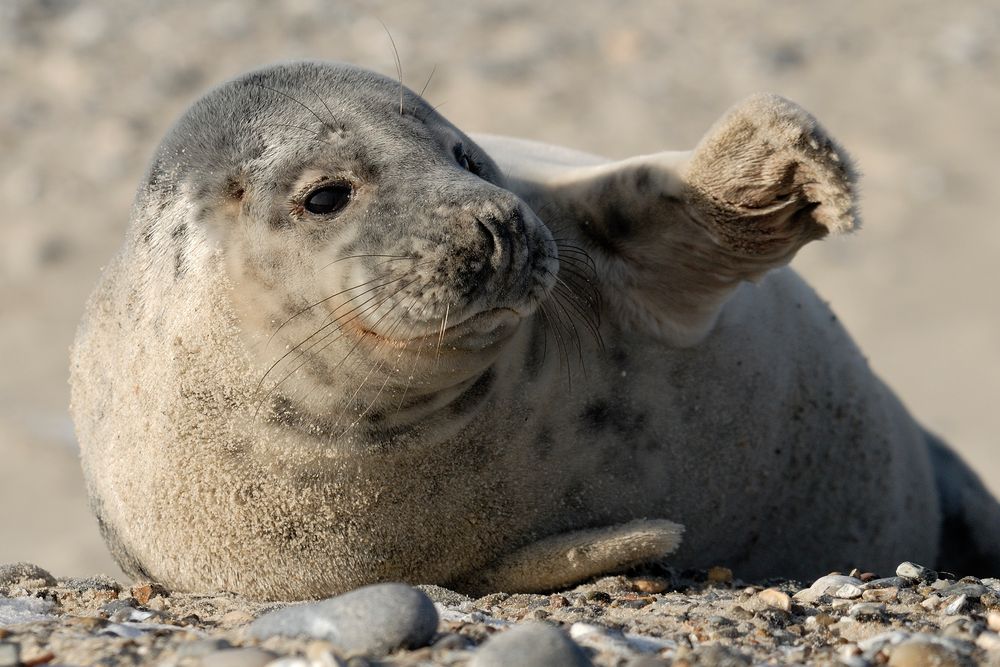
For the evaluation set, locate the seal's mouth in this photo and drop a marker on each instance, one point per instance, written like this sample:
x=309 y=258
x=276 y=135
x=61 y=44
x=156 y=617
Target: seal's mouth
x=475 y=332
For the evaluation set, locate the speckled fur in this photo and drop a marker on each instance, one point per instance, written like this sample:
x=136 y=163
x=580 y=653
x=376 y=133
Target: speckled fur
x=397 y=449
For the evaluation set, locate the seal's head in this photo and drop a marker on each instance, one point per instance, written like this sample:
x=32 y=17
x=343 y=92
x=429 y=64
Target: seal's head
x=357 y=223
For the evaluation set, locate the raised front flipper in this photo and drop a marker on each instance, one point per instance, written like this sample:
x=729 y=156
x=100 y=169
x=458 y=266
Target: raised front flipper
x=673 y=234
x=569 y=558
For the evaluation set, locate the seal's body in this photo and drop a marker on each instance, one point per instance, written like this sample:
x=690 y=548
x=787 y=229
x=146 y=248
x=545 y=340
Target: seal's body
x=345 y=343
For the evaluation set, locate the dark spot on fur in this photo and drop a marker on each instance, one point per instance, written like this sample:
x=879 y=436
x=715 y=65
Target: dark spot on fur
x=543 y=443
x=179 y=232
x=235 y=188
x=601 y=416
x=596 y=415
x=147 y=234
x=617 y=224
x=619 y=358
x=179 y=268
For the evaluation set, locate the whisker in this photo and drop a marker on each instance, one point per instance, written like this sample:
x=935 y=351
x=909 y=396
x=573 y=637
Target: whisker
x=428 y=82
x=336 y=294
x=572 y=326
x=356 y=344
x=388 y=376
x=413 y=369
x=399 y=64
x=444 y=326
x=323 y=102
x=327 y=325
x=293 y=99
x=326 y=266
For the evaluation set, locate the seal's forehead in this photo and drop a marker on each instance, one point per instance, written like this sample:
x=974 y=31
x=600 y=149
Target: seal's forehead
x=287 y=104
x=338 y=93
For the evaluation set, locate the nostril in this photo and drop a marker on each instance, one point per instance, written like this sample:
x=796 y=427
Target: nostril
x=488 y=238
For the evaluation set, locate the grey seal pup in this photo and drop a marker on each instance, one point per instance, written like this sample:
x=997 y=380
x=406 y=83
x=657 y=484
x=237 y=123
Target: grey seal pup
x=345 y=342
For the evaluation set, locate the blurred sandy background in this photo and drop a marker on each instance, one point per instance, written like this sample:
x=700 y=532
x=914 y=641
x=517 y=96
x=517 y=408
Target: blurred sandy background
x=911 y=89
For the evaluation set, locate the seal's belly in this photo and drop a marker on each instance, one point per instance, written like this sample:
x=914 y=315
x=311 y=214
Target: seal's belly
x=768 y=448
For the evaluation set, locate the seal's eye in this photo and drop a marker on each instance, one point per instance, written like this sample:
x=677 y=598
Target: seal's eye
x=328 y=199
x=465 y=162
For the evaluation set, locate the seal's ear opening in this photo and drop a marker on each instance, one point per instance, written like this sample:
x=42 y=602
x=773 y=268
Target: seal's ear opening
x=222 y=200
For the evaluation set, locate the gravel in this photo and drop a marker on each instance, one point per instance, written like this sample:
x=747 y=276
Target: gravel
x=614 y=621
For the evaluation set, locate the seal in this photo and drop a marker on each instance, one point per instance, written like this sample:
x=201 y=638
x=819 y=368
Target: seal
x=345 y=342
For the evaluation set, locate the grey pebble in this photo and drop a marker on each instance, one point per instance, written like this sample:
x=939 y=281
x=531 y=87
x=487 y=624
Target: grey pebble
x=15 y=573
x=531 y=645
x=914 y=571
x=888 y=582
x=374 y=620
x=237 y=657
x=867 y=611
x=968 y=589
x=101 y=582
x=10 y=654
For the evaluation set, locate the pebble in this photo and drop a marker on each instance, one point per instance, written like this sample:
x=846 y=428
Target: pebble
x=234 y=618
x=374 y=620
x=988 y=641
x=653 y=584
x=238 y=657
x=881 y=595
x=888 y=582
x=143 y=593
x=922 y=653
x=848 y=592
x=956 y=605
x=823 y=585
x=531 y=645
x=775 y=599
x=25 y=573
x=867 y=611
x=970 y=590
x=720 y=575
x=993 y=621
x=931 y=602
x=914 y=571
x=10 y=654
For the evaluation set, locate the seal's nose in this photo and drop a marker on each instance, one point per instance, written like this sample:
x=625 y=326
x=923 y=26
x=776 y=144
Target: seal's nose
x=503 y=233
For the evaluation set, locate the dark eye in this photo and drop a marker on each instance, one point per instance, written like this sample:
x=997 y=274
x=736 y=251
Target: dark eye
x=328 y=199
x=464 y=161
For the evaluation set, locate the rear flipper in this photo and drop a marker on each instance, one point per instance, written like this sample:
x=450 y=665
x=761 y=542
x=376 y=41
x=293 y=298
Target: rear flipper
x=970 y=530
x=562 y=560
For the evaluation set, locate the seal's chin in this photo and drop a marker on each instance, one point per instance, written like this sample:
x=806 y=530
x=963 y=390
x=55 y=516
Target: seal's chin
x=483 y=329
x=478 y=331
